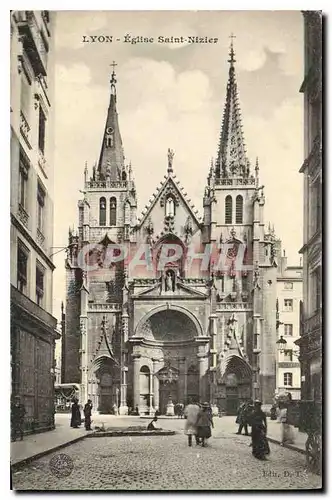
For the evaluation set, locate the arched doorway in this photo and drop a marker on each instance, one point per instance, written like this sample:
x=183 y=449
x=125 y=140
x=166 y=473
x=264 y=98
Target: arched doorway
x=236 y=379
x=108 y=390
x=168 y=346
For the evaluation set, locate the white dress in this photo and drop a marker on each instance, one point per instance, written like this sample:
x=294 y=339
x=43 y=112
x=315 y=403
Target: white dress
x=191 y=413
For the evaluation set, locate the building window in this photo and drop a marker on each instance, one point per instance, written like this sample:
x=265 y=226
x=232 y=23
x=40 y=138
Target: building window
x=288 y=330
x=239 y=210
x=42 y=130
x=315 y=289
x=23 y=186
x=26 y=93
x=40 y=207
x=228 y=210
x=40 y=273
x=102 y=211
x=288 y=355
x=113 y=211
x=170 y=207
x=288 y=305
x=22 y=268
x=288 y=285
x=288 y=379
x=244 y=283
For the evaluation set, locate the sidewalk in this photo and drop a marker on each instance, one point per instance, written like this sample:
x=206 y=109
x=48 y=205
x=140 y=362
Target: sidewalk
x=273 y=432
x=37 y=445
x=274 y=435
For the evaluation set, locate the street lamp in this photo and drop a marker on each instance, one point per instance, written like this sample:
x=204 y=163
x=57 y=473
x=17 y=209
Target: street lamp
x=281 y=344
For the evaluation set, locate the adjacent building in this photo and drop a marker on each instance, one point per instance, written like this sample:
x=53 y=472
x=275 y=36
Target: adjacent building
x=311 y=315
x=289 y=297
x=142 y=335
x=33 y=328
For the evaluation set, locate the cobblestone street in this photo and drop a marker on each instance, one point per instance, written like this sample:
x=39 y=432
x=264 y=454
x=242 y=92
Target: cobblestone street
x=166 y=462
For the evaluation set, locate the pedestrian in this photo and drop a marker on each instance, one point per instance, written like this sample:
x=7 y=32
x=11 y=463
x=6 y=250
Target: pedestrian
x=87 y=415
x=152 y=426
x=191 y=412
x=260 y=445
x=287 y=434
x=241 y=419
x=17 y=418
x=180 y=410
x=75 y=414
x=204 y=423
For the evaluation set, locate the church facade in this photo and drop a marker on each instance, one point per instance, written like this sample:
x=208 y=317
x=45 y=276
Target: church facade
x=172 y=306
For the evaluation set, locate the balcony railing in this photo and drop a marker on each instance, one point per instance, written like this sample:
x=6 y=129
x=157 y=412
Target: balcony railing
x=25 y=128
x=104 y=307
x=23 y=215
x=42 y=161
x=40 y=238
x=33 y=42
x=228 y=306
x=313 y=323
x=250 y=181
x=108 y=184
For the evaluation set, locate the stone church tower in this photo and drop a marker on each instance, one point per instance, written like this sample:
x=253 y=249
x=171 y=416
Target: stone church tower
x=171 y=307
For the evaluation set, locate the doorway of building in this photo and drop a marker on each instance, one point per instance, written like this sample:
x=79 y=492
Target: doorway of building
x=167 y=391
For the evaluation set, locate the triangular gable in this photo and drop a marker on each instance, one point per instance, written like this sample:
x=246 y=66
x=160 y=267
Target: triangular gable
x=159 y=193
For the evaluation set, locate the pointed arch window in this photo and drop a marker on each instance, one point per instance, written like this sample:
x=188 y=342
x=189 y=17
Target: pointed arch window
x=239 y=210
x=102 y=211
x=113 y=211
x=170 y=207
x=228 y=210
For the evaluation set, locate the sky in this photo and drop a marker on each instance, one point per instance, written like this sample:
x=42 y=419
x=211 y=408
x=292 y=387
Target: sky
x=172 y=96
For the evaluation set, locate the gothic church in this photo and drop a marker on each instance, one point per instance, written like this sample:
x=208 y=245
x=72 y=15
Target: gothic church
x=140 y=337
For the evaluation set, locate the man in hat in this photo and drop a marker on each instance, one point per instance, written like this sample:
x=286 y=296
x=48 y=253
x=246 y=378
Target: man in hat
x=87 y=415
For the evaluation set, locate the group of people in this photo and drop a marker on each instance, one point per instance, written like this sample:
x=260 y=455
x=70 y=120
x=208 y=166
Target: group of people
x=76 y=419
x=198 y=422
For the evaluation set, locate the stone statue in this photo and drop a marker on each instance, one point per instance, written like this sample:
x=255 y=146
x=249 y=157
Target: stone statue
x=169 y=282
x=170 y=155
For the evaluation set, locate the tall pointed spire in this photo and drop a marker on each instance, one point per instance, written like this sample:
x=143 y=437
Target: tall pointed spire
x=231 y=157
x=111 y=158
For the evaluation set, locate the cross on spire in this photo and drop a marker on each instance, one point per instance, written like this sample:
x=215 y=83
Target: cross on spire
x=231 y=50
x=113 y=78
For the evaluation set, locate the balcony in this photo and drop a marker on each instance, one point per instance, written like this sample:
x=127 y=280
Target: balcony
x=108 y=184
x=250 y=181
x=106 y=307
x=33 y=42
x=42 y=162
x=25 y=129
x=230 y=306
x=314 y=161
x=23 y=215
x=313 y=323
x=40 y=238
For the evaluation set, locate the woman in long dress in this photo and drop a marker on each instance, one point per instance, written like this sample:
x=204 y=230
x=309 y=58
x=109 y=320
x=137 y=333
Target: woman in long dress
x=204 y=423
x=287 y=435
x=260 y=445
x=76 y=419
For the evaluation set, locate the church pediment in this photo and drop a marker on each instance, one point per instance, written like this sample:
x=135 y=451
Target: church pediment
x=170 y=197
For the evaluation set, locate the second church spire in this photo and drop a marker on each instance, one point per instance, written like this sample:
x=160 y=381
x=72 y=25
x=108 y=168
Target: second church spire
x=231 y=158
